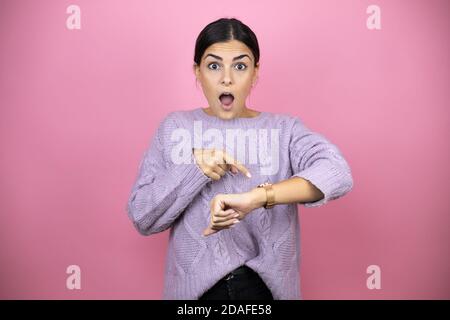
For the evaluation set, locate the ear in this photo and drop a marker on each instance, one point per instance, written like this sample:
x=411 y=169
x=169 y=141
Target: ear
x=196 y=70
x=255 y=74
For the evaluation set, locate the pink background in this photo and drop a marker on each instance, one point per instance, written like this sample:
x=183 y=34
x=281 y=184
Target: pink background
x=79 y=107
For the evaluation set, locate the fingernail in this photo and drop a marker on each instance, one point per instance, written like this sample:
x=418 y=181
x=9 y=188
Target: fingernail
x=248 y=175
x=236 y=215
x=237 y=221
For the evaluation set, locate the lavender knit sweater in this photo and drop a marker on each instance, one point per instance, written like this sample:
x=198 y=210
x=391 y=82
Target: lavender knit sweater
x=171 y=191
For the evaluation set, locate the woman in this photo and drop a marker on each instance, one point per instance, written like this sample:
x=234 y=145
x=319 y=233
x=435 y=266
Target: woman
x=227 y=180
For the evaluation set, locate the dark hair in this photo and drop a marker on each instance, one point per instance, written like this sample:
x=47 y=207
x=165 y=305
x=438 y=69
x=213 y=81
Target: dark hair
x=224 y=30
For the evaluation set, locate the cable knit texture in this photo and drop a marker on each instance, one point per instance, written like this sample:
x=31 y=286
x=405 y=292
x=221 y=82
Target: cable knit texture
x=169 y=193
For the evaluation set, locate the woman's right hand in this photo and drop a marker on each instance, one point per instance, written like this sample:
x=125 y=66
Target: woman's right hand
x=214 y=163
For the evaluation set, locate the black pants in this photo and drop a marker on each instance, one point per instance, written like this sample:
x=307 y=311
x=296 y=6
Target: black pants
x=241 y=284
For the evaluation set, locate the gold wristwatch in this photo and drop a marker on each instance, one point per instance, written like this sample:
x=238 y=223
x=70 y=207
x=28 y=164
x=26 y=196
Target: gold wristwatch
x=270 y=194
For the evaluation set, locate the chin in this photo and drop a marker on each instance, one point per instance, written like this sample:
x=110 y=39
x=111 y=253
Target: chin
x=228 y=115
x=223 y=114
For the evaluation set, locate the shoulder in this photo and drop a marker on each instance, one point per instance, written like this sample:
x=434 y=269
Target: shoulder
x=174 y=119
x=287 y=121
x=295 y=129
x=177 y=119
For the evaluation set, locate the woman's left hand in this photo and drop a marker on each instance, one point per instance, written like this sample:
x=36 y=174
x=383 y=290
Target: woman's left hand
x=229 y=209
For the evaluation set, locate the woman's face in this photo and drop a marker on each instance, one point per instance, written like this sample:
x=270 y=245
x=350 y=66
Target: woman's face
x=227 y=67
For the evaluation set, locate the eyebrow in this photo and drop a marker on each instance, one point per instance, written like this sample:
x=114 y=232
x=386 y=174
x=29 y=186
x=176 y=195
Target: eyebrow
x=234 y=59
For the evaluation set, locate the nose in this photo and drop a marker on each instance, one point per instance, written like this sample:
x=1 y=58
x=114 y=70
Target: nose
x=226 y=79
x=226 y=82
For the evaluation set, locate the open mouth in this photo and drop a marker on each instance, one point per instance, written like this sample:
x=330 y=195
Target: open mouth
x=226 y=99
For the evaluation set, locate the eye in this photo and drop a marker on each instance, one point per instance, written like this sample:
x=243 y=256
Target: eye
x=212 y=64
x=241 y=64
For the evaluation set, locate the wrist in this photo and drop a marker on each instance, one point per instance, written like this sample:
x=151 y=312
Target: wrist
x=258 y=197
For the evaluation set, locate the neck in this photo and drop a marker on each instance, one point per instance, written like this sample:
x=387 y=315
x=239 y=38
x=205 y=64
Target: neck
x=245 y=113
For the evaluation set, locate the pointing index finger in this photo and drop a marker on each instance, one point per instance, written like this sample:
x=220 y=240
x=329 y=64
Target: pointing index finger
x=230 y=160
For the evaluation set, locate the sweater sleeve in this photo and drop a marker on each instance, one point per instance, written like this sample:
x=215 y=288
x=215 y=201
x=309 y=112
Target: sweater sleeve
x=317 y=160
x=163 y=189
